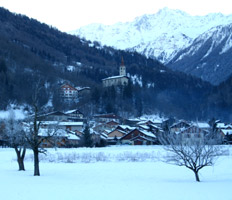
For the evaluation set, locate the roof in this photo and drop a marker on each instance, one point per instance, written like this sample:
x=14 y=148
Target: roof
x=71 y=123
x=68 y=85
x=44 y=132
x=123 y=132
x=62 y=123
x=122 y=62
x=145 y=127
x=52 y=113
x=146 y=133
x=154 y=126
x=103 y=135
x=112 y=123
x=73 y=137
x=72 y=111
x=142 y=137
x=110 y=115
x=201 y=124
x=179 y=122
x=192 y=126
x=126 y=127
x=115 y=77
x=223 y=125
x=83 y=88
x=226 y=131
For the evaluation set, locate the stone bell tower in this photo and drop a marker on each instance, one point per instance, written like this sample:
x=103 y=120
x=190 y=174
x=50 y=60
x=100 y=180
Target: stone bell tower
x=122 y=69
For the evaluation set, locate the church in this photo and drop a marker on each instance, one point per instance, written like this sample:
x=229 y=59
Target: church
x=120 y=80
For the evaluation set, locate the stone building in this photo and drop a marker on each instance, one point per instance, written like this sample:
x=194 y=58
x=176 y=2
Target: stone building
x=120 y=80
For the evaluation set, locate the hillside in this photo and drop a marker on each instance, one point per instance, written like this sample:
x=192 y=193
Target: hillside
x=208 y=56
x=33 y=52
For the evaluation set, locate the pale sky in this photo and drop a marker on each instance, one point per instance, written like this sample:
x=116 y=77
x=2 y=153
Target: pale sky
x=67 y=15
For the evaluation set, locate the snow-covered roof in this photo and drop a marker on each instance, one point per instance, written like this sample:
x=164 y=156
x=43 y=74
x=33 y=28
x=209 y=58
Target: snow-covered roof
x=62 y=123
x=145 y=127
x=223 y=125
x=226 y=131
x=144 y=138
x=44 y=132
x=109 y=115
x=123 y=132
x=179 y=122
x=154 y=126
x=71 y=111
x=73 y=137
x=114 y=77
x=201 y=124
x=111 y=138
x=142 y=122
x=51 y=113
x=104 y=135
x=126 y=127
x=147 y=133
x=107 y=131
x=134 y=119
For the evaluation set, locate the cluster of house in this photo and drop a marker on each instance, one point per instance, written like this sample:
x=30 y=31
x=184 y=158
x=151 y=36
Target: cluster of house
x=112 y=129
x=148 y=132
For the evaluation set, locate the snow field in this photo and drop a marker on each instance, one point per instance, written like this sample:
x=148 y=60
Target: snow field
x=111 y=179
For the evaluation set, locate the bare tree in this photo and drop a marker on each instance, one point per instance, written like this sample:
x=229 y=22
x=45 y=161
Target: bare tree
x=14 y=135
x=193 y=154
x=33 y=136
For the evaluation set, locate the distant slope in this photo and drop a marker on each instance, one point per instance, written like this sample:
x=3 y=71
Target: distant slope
x=32 y=51
x=208 y=57
x=160 y=35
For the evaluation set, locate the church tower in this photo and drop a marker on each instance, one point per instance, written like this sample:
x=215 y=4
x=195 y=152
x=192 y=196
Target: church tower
x=122 y=69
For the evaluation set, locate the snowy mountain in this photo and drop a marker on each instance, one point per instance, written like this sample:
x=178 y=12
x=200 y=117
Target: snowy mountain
x=208 y=57
x=160 y=35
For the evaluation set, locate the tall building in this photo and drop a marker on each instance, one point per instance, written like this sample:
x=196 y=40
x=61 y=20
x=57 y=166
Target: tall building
x=122 y=79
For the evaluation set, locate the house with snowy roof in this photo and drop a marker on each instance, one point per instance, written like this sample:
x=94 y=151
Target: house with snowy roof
x=74 y=115
x=68 y=92
x=179 y=126
x=121 y=80
x=193 y=135
x=61 y=138
x=115 y=135
x=139 y=137
x=225 y=131
x=53 y=116
x=105 y=118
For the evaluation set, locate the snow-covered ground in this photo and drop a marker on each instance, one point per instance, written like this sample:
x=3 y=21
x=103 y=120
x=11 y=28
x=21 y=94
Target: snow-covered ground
x=111 y=178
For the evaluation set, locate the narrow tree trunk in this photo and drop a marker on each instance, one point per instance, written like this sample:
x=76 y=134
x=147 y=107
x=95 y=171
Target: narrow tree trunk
x=197 y=176
x=20 y=157
x=36 y=163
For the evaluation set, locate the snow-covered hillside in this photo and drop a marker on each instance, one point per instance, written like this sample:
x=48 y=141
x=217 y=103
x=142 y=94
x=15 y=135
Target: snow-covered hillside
x=208 y=57
x=160 y=35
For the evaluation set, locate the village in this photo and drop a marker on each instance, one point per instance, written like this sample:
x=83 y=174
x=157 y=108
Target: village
x=111 y=129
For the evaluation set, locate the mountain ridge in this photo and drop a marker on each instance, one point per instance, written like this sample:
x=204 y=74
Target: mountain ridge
x=160 y=35
x=208 y=57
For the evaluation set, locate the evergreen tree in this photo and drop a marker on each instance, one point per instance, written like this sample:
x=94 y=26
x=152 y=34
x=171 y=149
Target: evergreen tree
x=86 y=139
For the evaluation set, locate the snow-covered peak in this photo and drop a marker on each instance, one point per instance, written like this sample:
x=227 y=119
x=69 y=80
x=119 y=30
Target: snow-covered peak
x=160 y=35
